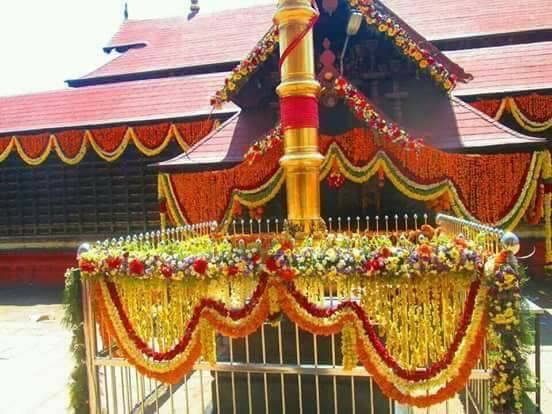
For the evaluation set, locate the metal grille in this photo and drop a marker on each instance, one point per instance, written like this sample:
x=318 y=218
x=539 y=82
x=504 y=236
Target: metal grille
x=92 y=199
x=278 y=369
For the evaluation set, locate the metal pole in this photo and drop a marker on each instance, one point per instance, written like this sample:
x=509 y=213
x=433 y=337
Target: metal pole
x=298 y=92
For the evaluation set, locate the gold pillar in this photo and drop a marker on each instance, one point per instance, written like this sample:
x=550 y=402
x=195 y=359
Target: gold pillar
x=301 y=160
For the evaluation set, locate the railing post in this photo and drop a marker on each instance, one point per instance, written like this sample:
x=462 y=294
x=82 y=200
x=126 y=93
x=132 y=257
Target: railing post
x=90 y=344
x=89 y=329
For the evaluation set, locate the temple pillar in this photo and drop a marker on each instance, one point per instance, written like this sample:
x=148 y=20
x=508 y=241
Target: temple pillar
x=299 y=92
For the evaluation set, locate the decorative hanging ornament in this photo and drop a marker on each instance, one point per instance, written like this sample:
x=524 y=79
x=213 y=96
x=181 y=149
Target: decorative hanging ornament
x=336 y=179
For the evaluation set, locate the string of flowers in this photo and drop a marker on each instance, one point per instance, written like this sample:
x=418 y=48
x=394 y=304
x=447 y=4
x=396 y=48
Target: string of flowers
x=509 y=364
x=341 y=255
x=365 y=111
x=390 y=27
x=532 y=112
x=285 y=274
x=260 y=147
x=247 y=67
x=73 y=320
x=361 y=108
x=109 y=143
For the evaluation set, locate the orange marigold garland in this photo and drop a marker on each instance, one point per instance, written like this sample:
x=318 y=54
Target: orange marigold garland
x=532 y=112
x=108 y=142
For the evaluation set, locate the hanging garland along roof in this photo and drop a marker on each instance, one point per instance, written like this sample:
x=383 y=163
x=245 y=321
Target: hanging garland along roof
x=247 y=67
x=109 y=143
x=363 y=111
x=389 y=26
x=383 y=22
x=471 y=181
x=532 y=112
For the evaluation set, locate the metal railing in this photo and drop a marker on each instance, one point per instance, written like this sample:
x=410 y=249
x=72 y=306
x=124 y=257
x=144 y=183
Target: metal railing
x=278 y=369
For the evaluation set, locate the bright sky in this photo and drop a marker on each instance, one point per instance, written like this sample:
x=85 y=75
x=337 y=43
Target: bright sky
x=45 y=42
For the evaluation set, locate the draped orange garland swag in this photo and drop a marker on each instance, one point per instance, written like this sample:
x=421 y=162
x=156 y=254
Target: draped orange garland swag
x=532 y=112
x=109 y=143
x=470 y=180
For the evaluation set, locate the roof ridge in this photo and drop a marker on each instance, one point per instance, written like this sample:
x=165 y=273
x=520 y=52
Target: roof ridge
x=265 y=3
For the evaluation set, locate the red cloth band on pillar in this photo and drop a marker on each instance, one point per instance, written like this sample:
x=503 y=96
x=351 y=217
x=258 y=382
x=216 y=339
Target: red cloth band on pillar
x=299 y=112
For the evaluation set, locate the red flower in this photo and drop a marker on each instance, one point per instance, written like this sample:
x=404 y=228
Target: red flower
x=286 y=274
x=271 y=264
x=87 y=266
x=256 y=258
x=200 y=266
x=166 y=271
x=287 y=245
x=424 y=250
x=385 y=252
x=375 y=264
x=368 y=266
x=113 y=262
x=460 y=242
x=232 y=270
x=136 y=267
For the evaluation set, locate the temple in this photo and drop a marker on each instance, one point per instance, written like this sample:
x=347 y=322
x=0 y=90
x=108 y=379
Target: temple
x=423 y=108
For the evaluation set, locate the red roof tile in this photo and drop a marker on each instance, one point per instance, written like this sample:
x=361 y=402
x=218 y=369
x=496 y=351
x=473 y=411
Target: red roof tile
x=506 y=68
x=448 y=19
x=177 y=42
x=229 y=35
x=229 y=142
x=459 y=126
x=165 y=98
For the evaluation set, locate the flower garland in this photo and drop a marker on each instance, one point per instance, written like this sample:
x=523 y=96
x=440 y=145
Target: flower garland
x=266 y=276
x=108 y=143
x=273 y=139
x=73 y=320
x=208 y=258
x=335 y=179
x=547 y=181
x=470 y=180
x=385 y=24
x=505 y=316
x=247 y=67
x=532 y=112
x=392 y=28
x=365 y=111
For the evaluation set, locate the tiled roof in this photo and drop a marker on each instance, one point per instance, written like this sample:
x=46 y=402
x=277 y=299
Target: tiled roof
x=228 y=36
x=229 y=142
x=455 y=127
x=448 y=19
x=177 y=42
x=165 y=98
x=459 y=126
x=505 y=69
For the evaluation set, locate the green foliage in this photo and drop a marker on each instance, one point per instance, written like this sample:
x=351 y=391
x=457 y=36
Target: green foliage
x=73 y=320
